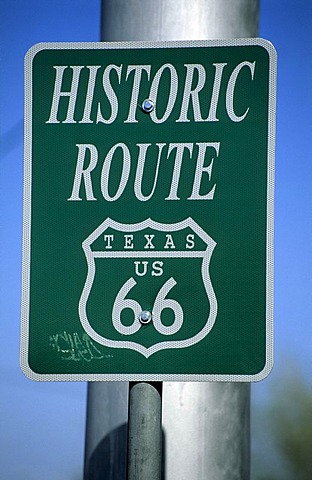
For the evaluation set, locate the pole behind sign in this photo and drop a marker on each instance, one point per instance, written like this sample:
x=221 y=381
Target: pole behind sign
x=190 y=451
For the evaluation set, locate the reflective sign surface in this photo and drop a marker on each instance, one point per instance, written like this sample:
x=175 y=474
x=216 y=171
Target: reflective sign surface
x=148 y=211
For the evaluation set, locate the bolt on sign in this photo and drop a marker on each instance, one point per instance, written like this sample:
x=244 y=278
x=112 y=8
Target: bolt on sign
x=148 y=211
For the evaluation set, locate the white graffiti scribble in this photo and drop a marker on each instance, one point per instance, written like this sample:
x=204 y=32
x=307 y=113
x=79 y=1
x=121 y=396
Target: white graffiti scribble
x=72 y=347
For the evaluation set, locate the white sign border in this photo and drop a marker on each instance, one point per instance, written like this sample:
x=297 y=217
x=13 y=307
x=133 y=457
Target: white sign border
x=26 y=248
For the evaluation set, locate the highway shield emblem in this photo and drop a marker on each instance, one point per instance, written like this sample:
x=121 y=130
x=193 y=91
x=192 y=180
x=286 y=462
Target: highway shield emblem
x=160 y=293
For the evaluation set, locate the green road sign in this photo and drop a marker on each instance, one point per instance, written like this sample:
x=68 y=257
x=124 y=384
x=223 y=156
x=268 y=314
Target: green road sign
x=148 y=211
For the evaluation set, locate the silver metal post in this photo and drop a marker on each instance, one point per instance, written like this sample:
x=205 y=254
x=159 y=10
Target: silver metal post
x=125 y=20
x=206 y=426
x=145 y=432
x=206 y=431
x=106 y=431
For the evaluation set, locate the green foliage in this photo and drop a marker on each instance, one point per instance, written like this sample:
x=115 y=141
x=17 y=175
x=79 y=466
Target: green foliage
x=287 y=420
x=292 y=427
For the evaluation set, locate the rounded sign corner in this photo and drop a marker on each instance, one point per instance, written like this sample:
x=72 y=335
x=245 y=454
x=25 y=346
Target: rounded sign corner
x=28 y=372
x=33 y=50
x=264 y=373
x=269 y=47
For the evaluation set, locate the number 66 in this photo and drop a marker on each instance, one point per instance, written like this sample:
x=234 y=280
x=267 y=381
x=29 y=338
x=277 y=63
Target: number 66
x=161 y=302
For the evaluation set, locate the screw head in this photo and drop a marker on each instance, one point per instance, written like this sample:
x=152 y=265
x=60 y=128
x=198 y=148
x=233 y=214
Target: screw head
x=145 y=317
x=148 y=105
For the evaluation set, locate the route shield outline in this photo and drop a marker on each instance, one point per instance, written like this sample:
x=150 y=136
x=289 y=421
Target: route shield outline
x=92 y=255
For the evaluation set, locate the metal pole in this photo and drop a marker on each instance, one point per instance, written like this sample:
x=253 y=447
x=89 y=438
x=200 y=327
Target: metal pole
x=206 y=426
x=125 y=20
x=144 y=442
x=206 y=431
x=106 y=431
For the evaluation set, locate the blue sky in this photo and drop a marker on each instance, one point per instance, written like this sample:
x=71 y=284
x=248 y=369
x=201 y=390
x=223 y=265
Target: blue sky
x=43 y=423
